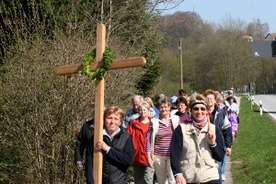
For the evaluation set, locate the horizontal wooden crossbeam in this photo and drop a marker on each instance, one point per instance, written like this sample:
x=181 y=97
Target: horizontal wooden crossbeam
x=116 y=64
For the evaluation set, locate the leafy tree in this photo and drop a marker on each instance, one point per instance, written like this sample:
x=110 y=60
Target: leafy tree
x=214 y=56
x=179 y=25
x=258 y=29
x=41 y=113
x=267 y=72
x=148 y=80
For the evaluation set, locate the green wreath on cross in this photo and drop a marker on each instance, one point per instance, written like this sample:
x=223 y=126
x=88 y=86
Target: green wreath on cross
x=101 y=71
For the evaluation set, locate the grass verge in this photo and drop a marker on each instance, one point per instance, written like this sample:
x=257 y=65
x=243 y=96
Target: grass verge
x=253 y=157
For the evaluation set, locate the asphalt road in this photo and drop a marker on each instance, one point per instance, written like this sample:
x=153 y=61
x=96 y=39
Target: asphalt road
x=268 y=103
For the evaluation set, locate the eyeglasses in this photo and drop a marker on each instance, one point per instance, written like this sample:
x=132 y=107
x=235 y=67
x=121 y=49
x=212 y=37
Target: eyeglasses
x=201 y=108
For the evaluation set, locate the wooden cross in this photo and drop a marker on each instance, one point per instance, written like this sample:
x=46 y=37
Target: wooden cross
x=99 y=92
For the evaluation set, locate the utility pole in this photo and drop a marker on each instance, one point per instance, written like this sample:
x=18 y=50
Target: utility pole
x=181 y=63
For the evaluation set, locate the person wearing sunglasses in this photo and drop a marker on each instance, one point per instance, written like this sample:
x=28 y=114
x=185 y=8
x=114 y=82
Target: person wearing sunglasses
x=195 y=147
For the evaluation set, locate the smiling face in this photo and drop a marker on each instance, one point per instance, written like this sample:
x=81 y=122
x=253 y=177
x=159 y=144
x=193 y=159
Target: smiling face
x=165 y=109
x=198 y=107
x=113 y=117
x=211 y=101
x=164 y=106
x=199 y=112
x=144 y=112
x=181 y=107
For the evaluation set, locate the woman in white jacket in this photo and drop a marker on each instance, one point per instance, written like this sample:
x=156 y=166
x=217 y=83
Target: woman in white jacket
x=158 y=144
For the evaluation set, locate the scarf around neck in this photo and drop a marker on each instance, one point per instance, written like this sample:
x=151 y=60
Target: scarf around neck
x=200 y=125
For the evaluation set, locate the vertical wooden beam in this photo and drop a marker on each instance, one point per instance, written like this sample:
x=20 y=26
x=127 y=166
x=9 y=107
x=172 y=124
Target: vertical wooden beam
x=99 y=107
x=99 y=93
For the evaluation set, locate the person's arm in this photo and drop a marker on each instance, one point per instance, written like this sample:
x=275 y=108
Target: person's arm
x=175 y=150
x=238 y=110
x=228 y=138
x=148 y=146
x=85 y=134
x=218 y=149
x=126 y=156
x=227 y=132
x=80 y=146
x=149 y=134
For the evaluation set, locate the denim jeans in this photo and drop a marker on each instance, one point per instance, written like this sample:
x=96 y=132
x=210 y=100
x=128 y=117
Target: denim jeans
x=222 y=166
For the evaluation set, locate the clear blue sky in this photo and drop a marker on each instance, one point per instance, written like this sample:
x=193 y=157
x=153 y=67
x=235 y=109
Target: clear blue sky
x=214 y=11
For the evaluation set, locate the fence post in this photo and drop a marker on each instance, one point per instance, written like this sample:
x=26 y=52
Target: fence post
x=261 y=107
x=252 y=102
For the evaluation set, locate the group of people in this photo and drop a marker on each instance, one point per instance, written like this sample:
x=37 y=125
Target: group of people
x=181 y=139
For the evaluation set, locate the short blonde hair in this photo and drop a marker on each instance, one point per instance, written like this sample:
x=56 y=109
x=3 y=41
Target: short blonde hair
x=115 y=110
x=144 y=104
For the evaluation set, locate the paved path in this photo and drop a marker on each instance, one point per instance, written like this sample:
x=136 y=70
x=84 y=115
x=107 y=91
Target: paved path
x=228 y=174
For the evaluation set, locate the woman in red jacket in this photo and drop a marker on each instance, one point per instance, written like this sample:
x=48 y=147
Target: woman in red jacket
x=138 y=129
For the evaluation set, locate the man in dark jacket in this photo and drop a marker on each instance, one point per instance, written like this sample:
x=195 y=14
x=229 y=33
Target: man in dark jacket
x=132 y=113
x=85 y=135
x=219 y=118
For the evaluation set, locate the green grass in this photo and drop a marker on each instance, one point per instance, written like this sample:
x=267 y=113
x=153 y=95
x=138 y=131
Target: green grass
x=254 y=151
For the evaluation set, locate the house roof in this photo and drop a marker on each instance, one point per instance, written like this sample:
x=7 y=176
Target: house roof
x=271 y=36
